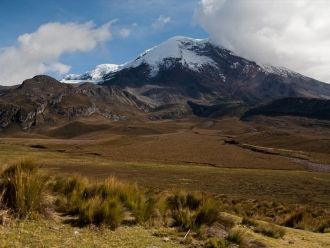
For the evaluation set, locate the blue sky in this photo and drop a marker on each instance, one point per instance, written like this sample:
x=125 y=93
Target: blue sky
x=138 y=18
x=56 y=37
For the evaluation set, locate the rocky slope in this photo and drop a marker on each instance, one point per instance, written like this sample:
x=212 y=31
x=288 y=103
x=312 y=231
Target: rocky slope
x=179 y=77
x=43 y=100
x=183 y=69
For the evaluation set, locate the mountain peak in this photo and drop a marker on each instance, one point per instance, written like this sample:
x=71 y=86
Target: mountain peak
x=178 y=49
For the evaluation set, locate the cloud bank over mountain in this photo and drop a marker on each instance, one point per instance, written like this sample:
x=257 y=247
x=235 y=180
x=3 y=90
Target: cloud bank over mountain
x=290 y=33
x=40 y=52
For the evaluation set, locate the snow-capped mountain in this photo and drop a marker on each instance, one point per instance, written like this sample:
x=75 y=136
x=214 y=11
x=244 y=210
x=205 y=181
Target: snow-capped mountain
x=179 y=49
x=179 y=77
x=183 y=69
x=95 y=75
x=189 y=53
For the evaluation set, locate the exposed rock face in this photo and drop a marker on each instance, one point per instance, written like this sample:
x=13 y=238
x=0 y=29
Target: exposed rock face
x=180 y=77
x=43 y=100
x=183 y=70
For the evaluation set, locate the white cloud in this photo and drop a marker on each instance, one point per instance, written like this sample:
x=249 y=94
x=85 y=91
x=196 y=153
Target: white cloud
x=125 y=32
x=161 y=22
x=290 y=33
x=40 y=52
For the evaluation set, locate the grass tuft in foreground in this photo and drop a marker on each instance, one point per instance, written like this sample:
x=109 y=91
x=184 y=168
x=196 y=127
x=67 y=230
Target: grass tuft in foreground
x=102 y=203
x=24 y=190
x=191 y=211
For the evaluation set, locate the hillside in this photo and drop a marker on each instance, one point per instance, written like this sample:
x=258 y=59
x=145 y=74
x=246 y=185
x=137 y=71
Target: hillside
x=302 y=107
x=182 y=77
x=182 y=69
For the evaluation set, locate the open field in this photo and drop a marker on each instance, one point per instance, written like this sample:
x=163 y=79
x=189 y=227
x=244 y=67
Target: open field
x=253 y=164
x=189 y=154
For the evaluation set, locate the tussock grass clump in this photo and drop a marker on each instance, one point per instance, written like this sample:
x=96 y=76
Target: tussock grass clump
x=236 y=236
x=308 y=221
x=306 y=217
x=266 y=229
x=71 y=193
x=216 y=243
x=270 y=230
x=100 y=211
x=249 y=222
x=103 y=203
x=294 y=219
x=24 y=189
x=132 y=197
x=191 y=211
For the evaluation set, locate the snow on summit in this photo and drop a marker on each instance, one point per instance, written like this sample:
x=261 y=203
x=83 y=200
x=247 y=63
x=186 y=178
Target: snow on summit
x=183 y=50
x=95 y=75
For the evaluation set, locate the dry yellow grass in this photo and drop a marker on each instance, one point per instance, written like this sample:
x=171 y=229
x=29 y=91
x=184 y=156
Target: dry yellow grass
x=52 y=234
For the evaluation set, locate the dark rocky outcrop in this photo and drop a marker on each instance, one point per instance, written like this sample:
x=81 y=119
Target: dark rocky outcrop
x=302 y=107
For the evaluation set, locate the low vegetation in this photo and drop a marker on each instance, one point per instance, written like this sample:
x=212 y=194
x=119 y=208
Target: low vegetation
x=191 y=211
x=305 y=217
x=102 y=203
x=23 y=190
x=29 y=194
x=264 y=228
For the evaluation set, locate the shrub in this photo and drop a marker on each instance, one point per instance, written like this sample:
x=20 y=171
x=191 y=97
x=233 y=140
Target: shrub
x=71 y=193
x=236 y=236
x=97 y=211
x=131 y=196
x=216 y=243
x=24 y=189
x=98 y=203
x=294 y=219
x=324 y=226
x=270 y=230
x=191 y=211
x=249 y=222
x=142 y=207
x=207 y=213
x=226 y=221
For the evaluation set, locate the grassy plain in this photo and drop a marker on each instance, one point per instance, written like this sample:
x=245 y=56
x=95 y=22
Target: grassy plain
x=271 y=163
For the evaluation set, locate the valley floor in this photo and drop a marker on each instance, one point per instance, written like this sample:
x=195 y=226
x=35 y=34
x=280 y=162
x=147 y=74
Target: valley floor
x=286 y=161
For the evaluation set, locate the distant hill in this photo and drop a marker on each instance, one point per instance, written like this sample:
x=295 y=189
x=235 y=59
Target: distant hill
x=302 y=107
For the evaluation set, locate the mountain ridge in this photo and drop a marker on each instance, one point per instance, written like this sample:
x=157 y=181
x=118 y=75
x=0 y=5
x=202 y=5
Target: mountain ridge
x=180 y=77
x=203 y=72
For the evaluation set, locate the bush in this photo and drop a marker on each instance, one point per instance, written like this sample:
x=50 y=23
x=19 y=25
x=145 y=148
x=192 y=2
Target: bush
x=270 y=230
x=97 y=211
x=216 y=243
x=266 y=229
x=71 y=193
x=79 y=197
x=226 y=221
x=294 y=220
x=24 y=189
x=191 y=211
x=131 y=196
x=236 y=236
x=207 y=213
x=249 y=222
